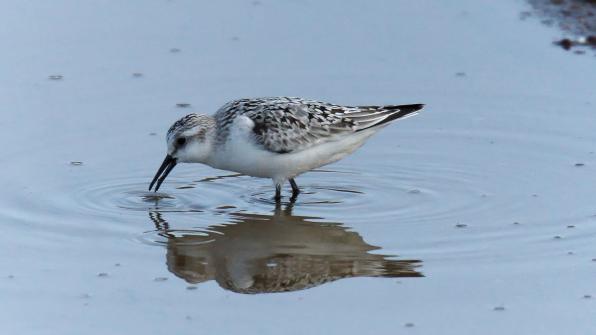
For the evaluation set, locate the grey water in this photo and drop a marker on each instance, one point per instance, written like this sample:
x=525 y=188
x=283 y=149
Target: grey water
x=476 y=216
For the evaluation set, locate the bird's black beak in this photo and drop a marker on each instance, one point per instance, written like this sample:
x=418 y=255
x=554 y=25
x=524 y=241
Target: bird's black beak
x=163 y=171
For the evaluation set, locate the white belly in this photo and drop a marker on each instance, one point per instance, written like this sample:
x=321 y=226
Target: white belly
x=241 y=155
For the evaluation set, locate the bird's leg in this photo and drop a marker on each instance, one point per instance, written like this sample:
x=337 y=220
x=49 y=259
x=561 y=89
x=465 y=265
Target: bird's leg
x=277 y=192
x=295 y=189
x=278 y=209
x=290 y=205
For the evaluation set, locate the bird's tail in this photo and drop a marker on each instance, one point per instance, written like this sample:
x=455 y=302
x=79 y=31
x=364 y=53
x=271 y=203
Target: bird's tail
x=367 y=117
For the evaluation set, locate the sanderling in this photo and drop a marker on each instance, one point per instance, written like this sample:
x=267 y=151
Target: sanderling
x=278 y=138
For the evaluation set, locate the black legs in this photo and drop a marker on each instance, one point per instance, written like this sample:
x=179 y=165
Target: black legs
x=295 y=191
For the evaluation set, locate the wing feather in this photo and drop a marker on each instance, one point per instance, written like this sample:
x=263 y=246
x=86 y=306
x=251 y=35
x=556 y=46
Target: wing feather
x=285 y=125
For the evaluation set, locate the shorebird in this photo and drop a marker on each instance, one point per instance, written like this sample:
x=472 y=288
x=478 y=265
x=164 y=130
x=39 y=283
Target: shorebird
x=278 y=138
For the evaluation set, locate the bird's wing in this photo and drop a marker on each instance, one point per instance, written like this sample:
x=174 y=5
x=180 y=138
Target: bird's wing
x=285 y=125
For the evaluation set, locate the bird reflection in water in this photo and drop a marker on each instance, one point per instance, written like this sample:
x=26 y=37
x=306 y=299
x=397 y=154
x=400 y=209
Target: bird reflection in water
x=274 y=253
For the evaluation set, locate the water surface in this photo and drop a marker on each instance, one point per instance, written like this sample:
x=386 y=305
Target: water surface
x=476 y=216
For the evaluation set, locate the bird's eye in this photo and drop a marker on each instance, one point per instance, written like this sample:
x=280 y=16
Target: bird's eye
x=181 y=140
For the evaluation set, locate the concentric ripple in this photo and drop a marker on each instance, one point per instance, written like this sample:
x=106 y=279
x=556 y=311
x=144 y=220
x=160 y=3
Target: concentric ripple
x=183 y=237
x=117 y=196
x=443 y=185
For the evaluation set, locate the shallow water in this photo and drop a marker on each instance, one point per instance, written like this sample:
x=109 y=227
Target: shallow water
x=476 y=216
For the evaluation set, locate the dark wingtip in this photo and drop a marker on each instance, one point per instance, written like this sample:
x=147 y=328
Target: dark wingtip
x=397 y=112
x=404 y=109
x=401 y=111
x=418 y=106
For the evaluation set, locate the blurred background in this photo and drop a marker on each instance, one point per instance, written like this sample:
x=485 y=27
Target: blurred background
x=475 y=216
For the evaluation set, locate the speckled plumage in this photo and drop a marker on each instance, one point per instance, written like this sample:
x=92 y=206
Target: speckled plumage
x=189 y=122
x=287 y=124
x=278 y=138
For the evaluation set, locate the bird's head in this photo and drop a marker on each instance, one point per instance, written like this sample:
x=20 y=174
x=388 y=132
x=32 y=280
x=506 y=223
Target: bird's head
x=189 y=140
